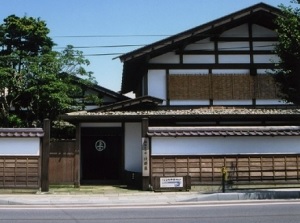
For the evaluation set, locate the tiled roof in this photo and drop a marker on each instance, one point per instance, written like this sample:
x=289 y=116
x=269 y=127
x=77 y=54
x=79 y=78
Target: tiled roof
x=224 y=131
x=21 y=132
x=193 y=111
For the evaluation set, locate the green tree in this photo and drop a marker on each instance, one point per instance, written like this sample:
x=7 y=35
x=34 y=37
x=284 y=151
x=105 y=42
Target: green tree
x=37 y=82
x=287 y=72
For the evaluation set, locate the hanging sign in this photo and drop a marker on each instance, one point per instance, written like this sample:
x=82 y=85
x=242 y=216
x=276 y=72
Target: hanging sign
x=145 y=156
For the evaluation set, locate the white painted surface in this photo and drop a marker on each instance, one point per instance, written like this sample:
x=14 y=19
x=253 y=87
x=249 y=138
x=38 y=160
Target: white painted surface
x=224 y=145
x=157 y=84
x=200 y=59
x=19 y=146
x=205 y=44
x=166 y=58
x=234 y=58
x=103 y=124
x=259 y=31
x=233 y=46
x=226 y=71
x=270 y=102
x=232 y=102
x=189 y=102
x=239 y=31
x=190 y=71
x=133 y=147
x=265 y=59
x=270 y=45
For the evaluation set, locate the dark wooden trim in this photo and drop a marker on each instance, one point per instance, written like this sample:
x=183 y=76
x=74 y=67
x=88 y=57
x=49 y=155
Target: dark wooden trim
x=45 y=157
x=77 y=163
x=228 y=52
x=211 y=66
x=245 y=39
x=167 y=87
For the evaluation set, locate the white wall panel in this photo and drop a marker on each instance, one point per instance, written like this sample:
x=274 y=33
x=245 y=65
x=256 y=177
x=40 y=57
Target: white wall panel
x=166 y=58
x=20 y=146
x=189 y=102
x=190 y=71
x=224 y=145
x=266 y=58
x=234 y=59
x=264 y=45
x=232 y=102
x=233 y=46
x=226 y=71
x=240 y=31
x=133 y=147
x=259 y=31
x=205 y=44
x=188 y=59
x=157 y=83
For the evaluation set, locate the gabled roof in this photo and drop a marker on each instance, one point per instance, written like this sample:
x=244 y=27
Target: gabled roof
x=102 y=90
x=224 y=131
x=134 y=61
x=21 y=132
x=140 y=102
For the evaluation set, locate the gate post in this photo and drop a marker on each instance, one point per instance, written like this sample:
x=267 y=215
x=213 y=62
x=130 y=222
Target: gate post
x=145 y=155
x=45 y=157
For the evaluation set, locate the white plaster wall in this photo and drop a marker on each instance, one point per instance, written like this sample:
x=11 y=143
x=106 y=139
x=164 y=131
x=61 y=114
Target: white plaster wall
x=232 y=102
x=199 y=59
x=224 y=145
x=264 y=45
x=233 y=46
x=205 y=44
x=190 y=71
x=157 y=84
x=266 y=59
x=234 y=58
x=133 y=147
x=239 y=31
x=270 y=102
x=226 y=71
x=259 y=31
x=166 y=58
x=189 y=102
x=20 y=146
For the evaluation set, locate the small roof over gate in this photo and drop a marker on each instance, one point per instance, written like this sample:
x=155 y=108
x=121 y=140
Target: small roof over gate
x=224 y=131
x=21 y=132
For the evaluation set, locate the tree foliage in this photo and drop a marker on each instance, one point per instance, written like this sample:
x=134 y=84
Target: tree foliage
x=287 y=72
x=37 y=82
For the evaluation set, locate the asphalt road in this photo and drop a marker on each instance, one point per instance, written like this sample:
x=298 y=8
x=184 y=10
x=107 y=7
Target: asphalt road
x=217 y=212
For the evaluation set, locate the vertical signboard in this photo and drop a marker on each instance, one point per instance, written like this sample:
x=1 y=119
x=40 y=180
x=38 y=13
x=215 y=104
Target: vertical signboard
x=145 y=156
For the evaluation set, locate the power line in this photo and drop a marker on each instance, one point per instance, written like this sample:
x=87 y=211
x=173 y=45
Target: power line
x=111 y=36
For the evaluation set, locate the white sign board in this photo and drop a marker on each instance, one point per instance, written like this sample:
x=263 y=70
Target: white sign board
x=171 y=182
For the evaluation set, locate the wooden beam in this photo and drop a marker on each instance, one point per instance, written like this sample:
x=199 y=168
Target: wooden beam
x=45 y=157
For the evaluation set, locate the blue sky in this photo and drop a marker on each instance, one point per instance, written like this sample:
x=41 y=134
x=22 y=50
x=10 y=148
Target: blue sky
x=97 y=24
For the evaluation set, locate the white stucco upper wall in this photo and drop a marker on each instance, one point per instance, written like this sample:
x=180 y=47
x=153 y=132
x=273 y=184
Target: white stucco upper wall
x=224 y=145
x=20 y=146
x=133 y=147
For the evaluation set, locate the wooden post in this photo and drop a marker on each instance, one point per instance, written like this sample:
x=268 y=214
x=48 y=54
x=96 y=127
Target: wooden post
x=145 y=173
x=77 y=158
x=45 y=157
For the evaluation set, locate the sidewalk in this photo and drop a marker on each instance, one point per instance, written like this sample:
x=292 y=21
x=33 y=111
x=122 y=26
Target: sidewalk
x=109 y=195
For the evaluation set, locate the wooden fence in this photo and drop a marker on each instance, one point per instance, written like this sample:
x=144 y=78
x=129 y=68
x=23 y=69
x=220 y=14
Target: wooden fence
x=20 y=172
x=206 y=170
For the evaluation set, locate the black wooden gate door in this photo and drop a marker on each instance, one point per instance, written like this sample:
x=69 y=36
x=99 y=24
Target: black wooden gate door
x=101 y=154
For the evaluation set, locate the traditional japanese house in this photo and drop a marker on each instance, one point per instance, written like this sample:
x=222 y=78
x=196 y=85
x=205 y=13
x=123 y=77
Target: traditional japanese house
x=204 y=100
